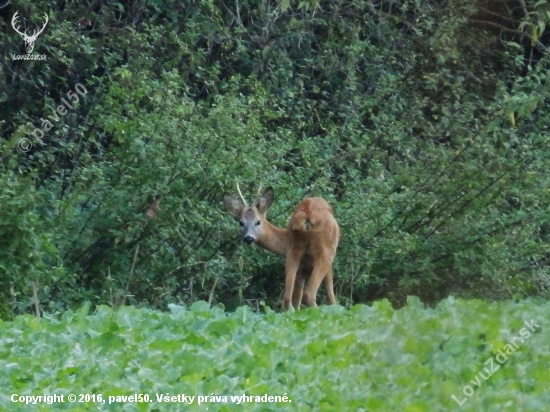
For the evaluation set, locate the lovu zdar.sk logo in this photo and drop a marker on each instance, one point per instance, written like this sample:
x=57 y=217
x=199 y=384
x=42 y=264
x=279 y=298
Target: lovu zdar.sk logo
x=29 y=40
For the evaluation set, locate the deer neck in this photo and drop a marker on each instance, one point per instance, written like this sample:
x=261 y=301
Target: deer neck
x=273 y=239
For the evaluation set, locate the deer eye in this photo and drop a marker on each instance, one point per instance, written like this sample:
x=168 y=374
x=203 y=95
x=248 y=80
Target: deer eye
x=241 y=223
x=258 y=223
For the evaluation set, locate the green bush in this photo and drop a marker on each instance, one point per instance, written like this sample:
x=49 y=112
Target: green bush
x=424 y=125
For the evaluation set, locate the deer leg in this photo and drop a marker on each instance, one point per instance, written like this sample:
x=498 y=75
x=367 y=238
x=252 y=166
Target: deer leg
x=320 y=271
x=291 y=269
x=329 y=287
x=298 y=290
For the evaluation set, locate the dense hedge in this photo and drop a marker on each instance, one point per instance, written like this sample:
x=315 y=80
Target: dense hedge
x=425 y=124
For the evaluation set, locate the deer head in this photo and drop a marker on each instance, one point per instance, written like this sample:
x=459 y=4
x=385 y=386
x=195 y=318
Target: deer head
x=29 y=40
x=250 y=217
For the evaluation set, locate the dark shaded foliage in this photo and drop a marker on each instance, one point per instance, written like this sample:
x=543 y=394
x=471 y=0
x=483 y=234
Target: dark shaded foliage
x=425 y=125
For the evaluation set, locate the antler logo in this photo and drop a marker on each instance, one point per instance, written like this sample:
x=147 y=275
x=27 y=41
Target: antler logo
x=29 y=40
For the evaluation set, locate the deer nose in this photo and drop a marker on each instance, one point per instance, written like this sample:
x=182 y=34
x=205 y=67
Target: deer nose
x=248 y=240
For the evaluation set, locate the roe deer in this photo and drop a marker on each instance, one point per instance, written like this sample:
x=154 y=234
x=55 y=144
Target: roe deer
x=308 y=243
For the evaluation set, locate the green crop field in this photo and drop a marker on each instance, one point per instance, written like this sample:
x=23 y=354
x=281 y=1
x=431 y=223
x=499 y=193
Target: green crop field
x=461 y=355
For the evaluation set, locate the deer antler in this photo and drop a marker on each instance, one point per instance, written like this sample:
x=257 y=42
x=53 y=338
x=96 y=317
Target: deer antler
x=13 y=23
x=36 y=34
x=241 y=195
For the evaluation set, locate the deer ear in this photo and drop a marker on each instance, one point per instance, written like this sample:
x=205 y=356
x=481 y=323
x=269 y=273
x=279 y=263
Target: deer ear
x=266 y=200
x=233 y=206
